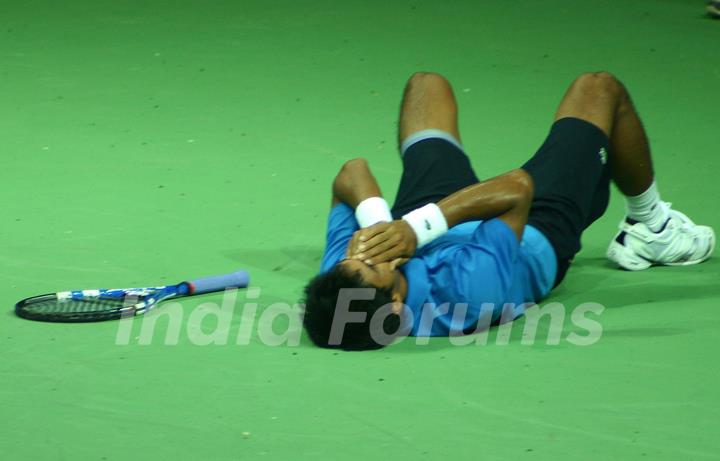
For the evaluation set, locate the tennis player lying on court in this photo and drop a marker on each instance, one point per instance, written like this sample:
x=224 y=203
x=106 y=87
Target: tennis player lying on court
x=454 y=250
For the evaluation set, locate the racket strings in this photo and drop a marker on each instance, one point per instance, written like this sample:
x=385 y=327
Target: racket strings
x=50 y=308
x=78 y=305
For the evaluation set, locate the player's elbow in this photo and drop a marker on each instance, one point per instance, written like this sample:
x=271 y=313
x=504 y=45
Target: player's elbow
x=524 y=187
x=351 y=168
x=346 y=178
x=521 y=189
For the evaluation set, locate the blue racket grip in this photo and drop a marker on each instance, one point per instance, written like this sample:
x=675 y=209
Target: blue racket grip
x=239 y=279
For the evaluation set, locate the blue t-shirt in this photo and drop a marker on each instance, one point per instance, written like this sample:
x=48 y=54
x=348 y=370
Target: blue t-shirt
x=465 y=278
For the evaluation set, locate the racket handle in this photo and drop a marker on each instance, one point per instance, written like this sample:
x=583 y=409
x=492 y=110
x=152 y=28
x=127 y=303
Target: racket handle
x=239 y=279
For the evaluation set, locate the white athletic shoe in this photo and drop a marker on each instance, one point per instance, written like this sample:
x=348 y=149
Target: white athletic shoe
x=680 y=243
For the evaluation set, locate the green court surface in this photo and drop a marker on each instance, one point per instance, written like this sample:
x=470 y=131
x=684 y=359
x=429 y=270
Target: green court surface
x=148 y=142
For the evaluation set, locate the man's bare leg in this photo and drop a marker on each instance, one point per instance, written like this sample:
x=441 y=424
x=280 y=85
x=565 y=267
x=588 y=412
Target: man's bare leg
x=602 y=100
x=661 y=235
x=428 y=103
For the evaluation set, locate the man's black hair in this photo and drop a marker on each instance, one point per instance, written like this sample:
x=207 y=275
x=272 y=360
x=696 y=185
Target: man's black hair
x=321 y=296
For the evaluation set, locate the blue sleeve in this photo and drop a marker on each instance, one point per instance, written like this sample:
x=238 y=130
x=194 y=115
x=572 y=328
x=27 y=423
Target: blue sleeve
x=341 y=226
x=484 y=271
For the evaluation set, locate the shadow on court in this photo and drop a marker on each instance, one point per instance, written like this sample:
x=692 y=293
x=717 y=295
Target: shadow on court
x=597 y=280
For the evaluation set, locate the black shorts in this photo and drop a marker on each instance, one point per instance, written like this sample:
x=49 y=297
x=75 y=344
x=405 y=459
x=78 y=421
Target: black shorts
x=569 y=170
x=572 y=185
x=433 y=168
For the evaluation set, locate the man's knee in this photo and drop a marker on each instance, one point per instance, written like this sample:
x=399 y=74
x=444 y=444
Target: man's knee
x=424 y=80
x=599 y=83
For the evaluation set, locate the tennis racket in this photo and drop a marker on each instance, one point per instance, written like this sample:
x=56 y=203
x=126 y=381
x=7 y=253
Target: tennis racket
x=98 y=305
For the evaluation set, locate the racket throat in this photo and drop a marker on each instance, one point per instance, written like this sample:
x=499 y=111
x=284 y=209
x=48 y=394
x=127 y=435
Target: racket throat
x=185 y=289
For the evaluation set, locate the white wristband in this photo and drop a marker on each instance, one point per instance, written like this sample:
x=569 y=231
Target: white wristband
x=428 y=223
x=372 y=211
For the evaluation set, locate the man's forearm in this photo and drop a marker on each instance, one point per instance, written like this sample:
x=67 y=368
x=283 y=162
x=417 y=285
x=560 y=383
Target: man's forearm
x=355 y=183
x=507 y=196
